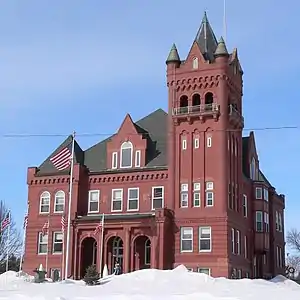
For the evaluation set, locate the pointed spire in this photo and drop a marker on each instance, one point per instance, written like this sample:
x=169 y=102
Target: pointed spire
x=173 y=55
x=206 y=39
x=221 y=48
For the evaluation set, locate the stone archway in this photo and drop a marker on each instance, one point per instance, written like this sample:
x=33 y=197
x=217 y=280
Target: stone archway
x=142 y=253
x=115 y=252
x=88 y=254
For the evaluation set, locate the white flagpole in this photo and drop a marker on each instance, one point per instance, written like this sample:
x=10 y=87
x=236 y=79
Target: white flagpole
x=23 y=248
x=48 y=240
x=224 y=21
x=69 y=209
x=8 y=241
x=101 y=245
x=62 y=256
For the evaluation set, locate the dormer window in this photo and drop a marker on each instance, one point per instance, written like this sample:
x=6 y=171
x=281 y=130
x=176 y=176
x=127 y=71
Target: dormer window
x=126 y=155
x=253 y=171
x=195 y=63
x=114 y=160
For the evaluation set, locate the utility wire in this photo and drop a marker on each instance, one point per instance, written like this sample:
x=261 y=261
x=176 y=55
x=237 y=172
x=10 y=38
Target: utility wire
x=32 y=135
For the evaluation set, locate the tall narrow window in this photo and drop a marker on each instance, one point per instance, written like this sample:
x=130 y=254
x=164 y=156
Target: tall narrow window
x=266 y=221
x=59 y=202
x=186 y=239
x=266 y=194
x=196 y=195
x=258 y=193
x=57 y=242
x=196 y=142
x=45 y=203
x=209 y=194
x=205 y=239
x=245 y=206
x=280 y=222
x=259 y=221
x=238 y=242
x=114 y=160
x=195 y=63
x=209 y=142
x=126 y=155
x=117 y=200
x=184 y=195
x=184 y=144
x=94 y=201
x=277 y=221
x=133 y=199
x=137 y=158
x=42 y=243
x=157 y=197
x=245 y=247
x=233 y=240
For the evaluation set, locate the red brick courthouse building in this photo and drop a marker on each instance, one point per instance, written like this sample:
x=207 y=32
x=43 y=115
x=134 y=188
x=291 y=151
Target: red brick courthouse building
x=182 y=187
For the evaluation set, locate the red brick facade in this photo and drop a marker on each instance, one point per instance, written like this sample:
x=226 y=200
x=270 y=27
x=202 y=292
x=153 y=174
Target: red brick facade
x=177 y=188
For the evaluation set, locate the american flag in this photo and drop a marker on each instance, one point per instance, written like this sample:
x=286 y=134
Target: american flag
x=25 y=221
x=6 y=221
x=62 y=160
x=98 y=228
x=45 y=228
x=63 y=223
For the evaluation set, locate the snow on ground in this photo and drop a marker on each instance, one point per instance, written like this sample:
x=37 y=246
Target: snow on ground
x=177 y=284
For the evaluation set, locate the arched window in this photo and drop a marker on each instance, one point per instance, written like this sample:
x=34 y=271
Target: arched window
x=209 y=99
x=45 y=203
x=147 y=252
x=195 y=63
x=126 y=155
x=59 y=203
x=183 y=103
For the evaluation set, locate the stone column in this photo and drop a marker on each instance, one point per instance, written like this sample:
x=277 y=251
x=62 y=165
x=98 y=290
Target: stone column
x=127 y=250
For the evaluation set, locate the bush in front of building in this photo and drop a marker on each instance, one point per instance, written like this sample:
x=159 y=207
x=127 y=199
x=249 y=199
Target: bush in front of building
x=91 y=276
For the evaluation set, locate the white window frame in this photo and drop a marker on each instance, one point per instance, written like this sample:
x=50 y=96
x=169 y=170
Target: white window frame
x=245 y=206
x=93 y=201
x=233 y=241
x=245 y=246
x=209 y=185
x=209 y=142
x=126 y=145
x=41 y=242
x=152 y=196
x=137 y=158
x=54 y=242
x=259 y=213
x=238 y=242
x=195 y=63
x=114 y=160
x=197 y=194
x=59 y=197
x=185 y=239
x=266 y=222
x=277 y=220
x=45 y=195
x=184 y=144
x=113 y=199
x=201 y=268
x=258 y=193
x=266 y=194
x=210 y=239
x=196 y=142
x=184 y=195
x=280 y=227
x=133 y=199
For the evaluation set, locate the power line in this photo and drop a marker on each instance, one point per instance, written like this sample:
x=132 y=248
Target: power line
x=32 y=135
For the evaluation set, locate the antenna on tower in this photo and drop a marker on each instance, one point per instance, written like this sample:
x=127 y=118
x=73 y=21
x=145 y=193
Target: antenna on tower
x=224 y=21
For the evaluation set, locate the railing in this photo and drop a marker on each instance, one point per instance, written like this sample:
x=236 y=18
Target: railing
x=196 y=109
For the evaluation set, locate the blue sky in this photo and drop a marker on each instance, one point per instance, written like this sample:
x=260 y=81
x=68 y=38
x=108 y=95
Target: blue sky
x=66 y=65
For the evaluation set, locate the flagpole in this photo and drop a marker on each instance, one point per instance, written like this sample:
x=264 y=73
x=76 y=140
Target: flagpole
x=23 y=245
x=62 y=257
x=224 y=21
x=101 y=244
x=48 y=240
x=8 y=241
x=69 y=208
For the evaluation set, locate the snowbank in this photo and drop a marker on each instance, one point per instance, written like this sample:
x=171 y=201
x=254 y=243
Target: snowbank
x=176 y=284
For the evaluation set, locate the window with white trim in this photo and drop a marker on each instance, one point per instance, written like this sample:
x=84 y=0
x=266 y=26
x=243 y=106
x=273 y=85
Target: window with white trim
x=253 y=169
x=196 y=142
x=209 y=142
x=238 y=241
x=258 y=193
x=195 y=63
x=184 y=144
x=196 y=195
x=157 y=197
x=259 y=221
x=116 y=200
x=209 y=194
x=186 y=239
x=133 y=199
x=42 y=243
x=126 y=155
x=280 y=227
x=114 y=160
x=45 y=203
x=245 y=247
x=59 y=202
x=205 y=239
x=266 y=194
x=94 y=196
x=233 y=240
x=137 y=158
x=277 y=221
x=245 y=206
x=280 y=257
x=266 y=221
x=184 y=195
x=57 y=242
x=204 y=271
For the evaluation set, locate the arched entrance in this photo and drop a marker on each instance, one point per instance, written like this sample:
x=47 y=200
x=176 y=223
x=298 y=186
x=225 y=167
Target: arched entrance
x=115 y=252
x=142 y=253
x=88 y=254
